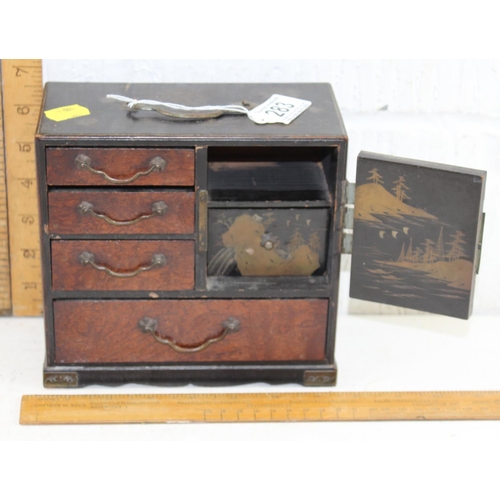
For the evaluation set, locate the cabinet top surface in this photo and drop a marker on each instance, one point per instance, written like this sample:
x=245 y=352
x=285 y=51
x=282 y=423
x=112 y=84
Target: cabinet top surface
x=109 y=118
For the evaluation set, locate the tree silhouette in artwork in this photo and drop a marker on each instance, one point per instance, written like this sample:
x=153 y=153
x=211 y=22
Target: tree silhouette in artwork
x=402 y=255
x=225 y=221
x=376 y=178
x=268 y=219
x=314 y=243
x=439 y=251
x=417 y=255
x=409 y=252
x=429 y=255
x=296 y=240
x=400 y=189
x=456 y=250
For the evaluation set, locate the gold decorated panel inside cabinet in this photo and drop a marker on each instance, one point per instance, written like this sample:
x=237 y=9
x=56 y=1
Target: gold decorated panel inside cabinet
x=187 y=331
x=267 y=242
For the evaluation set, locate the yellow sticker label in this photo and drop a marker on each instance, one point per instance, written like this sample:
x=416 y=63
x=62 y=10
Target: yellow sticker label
x=67 y=112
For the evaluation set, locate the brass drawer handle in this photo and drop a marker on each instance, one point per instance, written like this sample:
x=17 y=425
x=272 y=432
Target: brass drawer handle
x=84 y=162
x=158 y=260
x=157 y=208
x=150 y=325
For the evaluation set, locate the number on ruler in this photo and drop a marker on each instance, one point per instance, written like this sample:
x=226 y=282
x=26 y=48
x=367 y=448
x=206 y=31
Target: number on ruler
x=22 y=109
x=19 y=71
x=24 y=147
x=29 y=253
x=27 y=219
x=27 y=182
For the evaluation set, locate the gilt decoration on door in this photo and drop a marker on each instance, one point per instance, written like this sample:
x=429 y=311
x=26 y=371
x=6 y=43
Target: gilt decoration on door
x=415 y=232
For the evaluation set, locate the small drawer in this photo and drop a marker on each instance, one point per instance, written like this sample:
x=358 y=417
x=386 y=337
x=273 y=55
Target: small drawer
x=122 y=265
x=138 y=331
x=121 y=212
x=119 y=167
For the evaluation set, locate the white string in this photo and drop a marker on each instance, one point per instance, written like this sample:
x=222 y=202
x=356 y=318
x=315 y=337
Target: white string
x=150 y=105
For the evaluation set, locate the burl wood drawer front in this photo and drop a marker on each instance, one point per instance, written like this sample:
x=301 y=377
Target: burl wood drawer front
x=137 y=331
x=122 y=265
x=119 y=166
x=115 y=212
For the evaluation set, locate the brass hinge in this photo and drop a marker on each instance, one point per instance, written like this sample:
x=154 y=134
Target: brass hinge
x=202 y=220
x=348 y=193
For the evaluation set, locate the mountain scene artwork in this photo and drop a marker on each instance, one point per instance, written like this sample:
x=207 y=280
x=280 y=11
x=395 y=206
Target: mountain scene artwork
x=281 y=242
x=416 y=234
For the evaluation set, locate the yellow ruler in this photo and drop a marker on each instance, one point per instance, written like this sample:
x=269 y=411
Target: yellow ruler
x=22 y=97
x=5 y=302
x=266 y=407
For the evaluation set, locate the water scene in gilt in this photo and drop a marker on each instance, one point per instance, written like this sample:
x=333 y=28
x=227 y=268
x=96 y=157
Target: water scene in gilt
x=414 y=241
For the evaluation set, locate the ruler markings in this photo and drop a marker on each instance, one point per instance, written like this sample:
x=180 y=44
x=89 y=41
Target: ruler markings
x=267 y=407
x=5 y=289
x=22 y=103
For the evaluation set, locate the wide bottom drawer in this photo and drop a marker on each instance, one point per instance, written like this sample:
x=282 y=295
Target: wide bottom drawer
x=183 y=331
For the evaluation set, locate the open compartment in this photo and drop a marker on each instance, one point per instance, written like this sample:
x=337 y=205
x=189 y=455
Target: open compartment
x=253 y=174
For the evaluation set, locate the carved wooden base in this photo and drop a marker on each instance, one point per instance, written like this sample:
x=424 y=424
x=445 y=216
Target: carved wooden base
x=206 y=375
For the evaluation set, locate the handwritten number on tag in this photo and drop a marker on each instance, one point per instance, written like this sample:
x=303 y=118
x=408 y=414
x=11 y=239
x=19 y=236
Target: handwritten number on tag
x=278 y=109
x=282 y=107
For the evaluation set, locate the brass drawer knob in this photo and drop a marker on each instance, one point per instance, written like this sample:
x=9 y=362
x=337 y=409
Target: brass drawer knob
x=150 y=325
x=157 y=164
x=157 y=208
x=88 y=258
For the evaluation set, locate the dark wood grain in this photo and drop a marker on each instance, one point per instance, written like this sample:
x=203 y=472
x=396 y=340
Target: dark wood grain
x=120 y=163
x=65 y=218
x=271 y=330
x=68 y=273
x=288 y=323
x=109 y=118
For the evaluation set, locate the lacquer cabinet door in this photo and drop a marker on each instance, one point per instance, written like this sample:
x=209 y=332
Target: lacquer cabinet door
x=417 y=234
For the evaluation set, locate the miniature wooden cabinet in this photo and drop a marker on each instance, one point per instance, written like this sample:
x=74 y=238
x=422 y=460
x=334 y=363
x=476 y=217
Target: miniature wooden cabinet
x=207 y=251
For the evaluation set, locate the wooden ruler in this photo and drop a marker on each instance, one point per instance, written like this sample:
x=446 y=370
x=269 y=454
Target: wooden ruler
x=22 y=94
x=266 y=407
x=5 y=300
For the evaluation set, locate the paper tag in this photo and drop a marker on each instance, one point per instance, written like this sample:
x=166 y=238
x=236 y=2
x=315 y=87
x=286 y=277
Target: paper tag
x=278 y=109
x=66 y=112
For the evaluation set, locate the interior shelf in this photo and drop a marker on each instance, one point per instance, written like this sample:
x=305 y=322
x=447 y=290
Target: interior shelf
x=269 y=174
